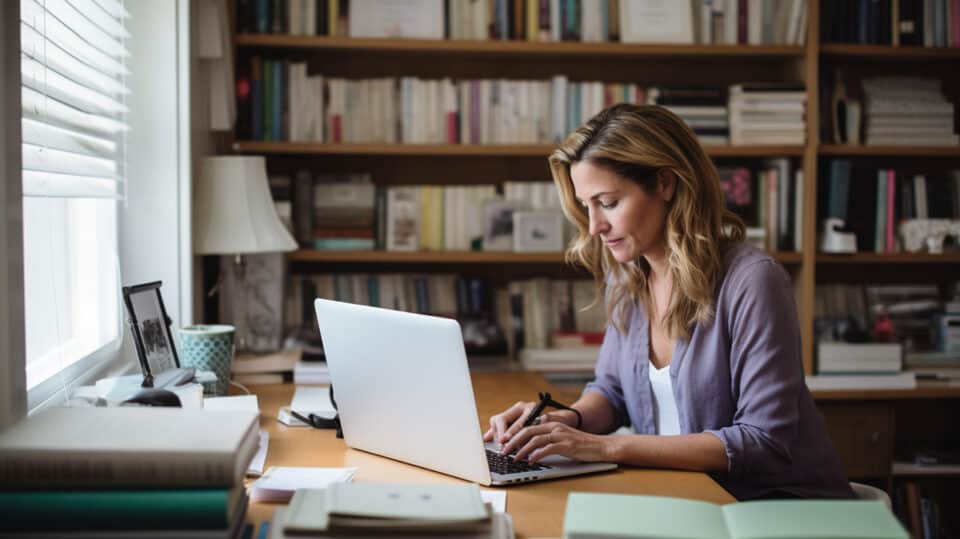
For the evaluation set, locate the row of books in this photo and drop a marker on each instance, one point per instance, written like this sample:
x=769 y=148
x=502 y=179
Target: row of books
x=769 y=198
x=286 y=104
x=349 y=212
x=874 y=202
x=126 y=472
x=923 y=23
x=908 y=111
x=884 y=328
x=731 y=22
x=767 y=113
x=521 y=314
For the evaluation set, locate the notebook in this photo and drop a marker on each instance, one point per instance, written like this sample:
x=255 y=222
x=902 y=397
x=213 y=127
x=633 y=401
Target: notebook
x=613 y=516
x=404 y=392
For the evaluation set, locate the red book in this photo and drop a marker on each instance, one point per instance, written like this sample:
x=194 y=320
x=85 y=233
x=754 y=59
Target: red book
x=452 y=131
x=336 y=129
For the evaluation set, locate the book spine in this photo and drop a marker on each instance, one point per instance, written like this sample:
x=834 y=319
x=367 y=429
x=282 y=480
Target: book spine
x=97 y=469
x=115 y=509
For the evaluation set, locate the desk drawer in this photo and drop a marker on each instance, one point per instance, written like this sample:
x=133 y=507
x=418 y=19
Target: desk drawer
x=862 y=433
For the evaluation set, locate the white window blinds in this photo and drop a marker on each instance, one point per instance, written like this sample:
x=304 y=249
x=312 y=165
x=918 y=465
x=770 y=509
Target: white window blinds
x=73 y=65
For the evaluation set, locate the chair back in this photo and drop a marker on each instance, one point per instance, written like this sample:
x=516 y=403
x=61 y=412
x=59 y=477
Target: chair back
x=869 y=492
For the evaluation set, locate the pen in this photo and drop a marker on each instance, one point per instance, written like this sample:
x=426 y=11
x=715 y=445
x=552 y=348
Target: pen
x=534 y=416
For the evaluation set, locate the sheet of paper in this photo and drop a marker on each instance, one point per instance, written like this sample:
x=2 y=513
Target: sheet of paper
x=256 y=465
x=283 y=416
x=315 y=400
x=280 y=482
x=496 y=498
x=191 y=396
x=236 y=402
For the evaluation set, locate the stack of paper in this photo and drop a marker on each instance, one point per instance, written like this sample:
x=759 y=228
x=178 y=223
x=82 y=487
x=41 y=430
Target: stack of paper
x=280 y=482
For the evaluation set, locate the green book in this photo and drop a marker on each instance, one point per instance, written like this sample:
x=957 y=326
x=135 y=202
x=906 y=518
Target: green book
x=601 y=516
x=49 y=510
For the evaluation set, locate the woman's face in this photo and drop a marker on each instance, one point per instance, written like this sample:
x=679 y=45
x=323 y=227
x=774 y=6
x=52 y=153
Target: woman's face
x=629 y=220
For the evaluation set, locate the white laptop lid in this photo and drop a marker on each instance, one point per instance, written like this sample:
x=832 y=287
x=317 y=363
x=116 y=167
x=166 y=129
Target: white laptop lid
x=403 y=387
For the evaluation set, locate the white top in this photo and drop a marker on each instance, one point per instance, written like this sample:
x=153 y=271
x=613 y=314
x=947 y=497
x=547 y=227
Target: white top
x=664 y=403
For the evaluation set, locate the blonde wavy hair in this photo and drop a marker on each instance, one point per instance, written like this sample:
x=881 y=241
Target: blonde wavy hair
x=638 y=142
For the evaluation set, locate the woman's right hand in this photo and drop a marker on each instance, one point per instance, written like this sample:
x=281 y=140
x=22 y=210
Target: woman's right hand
x=508 y=423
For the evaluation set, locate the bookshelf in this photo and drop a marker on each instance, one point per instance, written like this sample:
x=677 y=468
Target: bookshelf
x=813 y=63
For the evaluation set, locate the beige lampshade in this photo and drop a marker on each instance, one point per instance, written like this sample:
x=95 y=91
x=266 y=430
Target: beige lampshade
x=233 y=212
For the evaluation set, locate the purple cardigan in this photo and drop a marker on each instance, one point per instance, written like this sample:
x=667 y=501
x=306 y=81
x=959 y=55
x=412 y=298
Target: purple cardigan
x=739 y=378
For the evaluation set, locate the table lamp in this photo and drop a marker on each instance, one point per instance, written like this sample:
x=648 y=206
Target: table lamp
x=233 y=214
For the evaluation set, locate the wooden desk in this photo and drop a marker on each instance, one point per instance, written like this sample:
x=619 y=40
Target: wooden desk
x=537 y=508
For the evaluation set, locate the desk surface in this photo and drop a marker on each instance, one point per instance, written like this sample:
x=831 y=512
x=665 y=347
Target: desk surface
x=536 y=508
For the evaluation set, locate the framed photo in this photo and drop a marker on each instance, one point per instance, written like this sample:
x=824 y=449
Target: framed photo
x=403 y=219
x=498 y=224
x=656 y=21
x=537 y=231
x=421 y=19
x=150 y=327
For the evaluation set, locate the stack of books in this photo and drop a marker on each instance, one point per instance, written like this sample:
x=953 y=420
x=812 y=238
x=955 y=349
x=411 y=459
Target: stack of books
x=273 y=368
x=343 y=218
x=379 y=510
x=872 y=365
x=130 y=472
x=767 y=113
x=311 y=372
x=703 y=109
x=908 y=111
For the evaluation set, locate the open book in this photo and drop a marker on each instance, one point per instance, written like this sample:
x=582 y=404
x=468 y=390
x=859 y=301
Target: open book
x=618 y=515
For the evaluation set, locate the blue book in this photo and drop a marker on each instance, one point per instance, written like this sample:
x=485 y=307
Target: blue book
x=267 y=100
x=256 y=97
x=263 y=16
x=839 y=188
x=343 y=244
x=276 y=108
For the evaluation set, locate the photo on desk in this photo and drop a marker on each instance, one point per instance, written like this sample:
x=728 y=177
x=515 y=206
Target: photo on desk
x=150 y=327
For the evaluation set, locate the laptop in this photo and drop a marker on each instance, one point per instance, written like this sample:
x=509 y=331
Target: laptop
x=404 y=392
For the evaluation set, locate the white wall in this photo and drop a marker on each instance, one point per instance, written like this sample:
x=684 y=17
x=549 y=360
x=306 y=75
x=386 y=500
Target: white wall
x=155 y=224
x=13 y=380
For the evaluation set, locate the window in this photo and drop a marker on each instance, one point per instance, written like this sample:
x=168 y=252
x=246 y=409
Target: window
x=73 y=66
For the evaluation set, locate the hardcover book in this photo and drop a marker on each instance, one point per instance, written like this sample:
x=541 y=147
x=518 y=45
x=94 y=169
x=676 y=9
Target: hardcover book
x=128 y=447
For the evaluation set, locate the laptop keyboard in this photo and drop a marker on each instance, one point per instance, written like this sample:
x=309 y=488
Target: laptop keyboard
x=504 y=464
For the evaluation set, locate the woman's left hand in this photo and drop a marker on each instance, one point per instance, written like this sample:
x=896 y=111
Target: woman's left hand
x=554 y=438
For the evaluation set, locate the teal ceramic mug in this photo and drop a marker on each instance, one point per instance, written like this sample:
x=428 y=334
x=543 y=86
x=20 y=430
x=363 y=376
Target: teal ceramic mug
x=208 y=348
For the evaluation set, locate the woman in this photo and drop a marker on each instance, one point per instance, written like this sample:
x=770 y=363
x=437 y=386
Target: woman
x=702 y=353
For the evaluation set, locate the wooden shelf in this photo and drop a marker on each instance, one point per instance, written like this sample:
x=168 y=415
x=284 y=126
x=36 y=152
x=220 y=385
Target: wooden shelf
x=513 y=48
x=452 y=257
x=425 y=257
x=926 y=470
x=924 y=390
x=885 y=52
x=889 y=151
x=486 y=150
x=891 y=258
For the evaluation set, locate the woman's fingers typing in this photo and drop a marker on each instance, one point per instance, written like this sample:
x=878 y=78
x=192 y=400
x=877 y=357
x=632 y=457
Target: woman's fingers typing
x=504 y=425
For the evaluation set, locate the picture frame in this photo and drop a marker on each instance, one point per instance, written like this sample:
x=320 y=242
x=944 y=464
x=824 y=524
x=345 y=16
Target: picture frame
x=150 y=327
x=498 y=224
x=656 y=21
x=538 y=232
